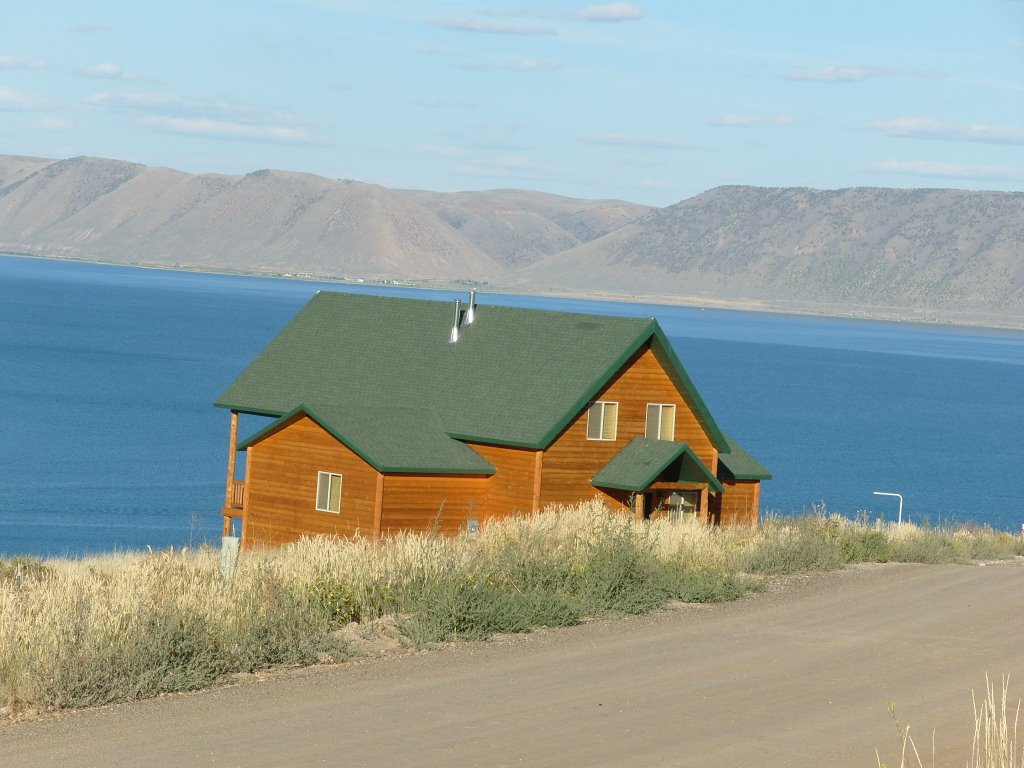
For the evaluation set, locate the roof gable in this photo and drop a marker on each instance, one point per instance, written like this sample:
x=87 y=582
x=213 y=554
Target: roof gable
x=642 y=460
x=515 y=376
x=390 y=440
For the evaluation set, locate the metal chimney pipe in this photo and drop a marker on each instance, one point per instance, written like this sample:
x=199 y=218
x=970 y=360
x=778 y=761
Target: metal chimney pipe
x=455 y=323
x=471 y=309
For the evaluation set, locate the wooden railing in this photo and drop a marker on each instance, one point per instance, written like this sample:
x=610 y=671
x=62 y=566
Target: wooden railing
x=237 y=493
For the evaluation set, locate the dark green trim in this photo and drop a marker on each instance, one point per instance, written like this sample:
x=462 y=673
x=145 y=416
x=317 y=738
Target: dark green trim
x=250 y=411
x=357 y=449
x=494 y=441
x=599 y=383
x=703 y=414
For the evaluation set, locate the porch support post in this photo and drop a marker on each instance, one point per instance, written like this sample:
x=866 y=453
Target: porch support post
x=638 y=504
x=232 y=449
x=245 y=497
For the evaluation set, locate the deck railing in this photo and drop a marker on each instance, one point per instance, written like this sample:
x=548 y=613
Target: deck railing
x=237 y=493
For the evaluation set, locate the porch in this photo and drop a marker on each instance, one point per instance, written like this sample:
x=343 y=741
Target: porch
x=664 y=479
x=234 y=506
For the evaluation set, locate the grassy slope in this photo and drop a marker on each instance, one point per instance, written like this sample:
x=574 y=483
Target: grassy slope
x=100 y=630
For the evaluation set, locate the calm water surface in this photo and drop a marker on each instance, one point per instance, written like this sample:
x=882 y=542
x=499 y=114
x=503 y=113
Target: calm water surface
x=109 y=440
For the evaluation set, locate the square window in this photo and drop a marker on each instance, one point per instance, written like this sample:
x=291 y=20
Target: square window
x=661 y=421
x=328 y=492
x=602 y=420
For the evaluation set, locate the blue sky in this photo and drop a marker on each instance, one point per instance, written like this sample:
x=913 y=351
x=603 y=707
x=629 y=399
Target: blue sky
x=648 y=101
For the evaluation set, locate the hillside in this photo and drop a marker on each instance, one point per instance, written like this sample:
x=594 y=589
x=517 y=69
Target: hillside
x=941 y=250
x=918 y=253
x=518 y=227
x=93 y=208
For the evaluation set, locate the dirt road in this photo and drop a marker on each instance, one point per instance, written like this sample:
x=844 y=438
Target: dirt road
x=799 y=676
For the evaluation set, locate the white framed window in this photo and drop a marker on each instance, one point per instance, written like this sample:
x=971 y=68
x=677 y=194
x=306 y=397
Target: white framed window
x=602 y=420
x=328 y=492
x=661 y=421
x=683 y=505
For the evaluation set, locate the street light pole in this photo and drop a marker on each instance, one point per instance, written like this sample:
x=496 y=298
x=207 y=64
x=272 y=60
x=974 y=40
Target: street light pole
x=897 y=495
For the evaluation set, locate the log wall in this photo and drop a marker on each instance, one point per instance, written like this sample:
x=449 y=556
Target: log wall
x=510 y=490
x=281 y=486
x=440 y=503
x=739 y=505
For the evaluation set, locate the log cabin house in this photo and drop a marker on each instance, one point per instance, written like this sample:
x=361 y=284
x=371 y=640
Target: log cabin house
x=396 y=414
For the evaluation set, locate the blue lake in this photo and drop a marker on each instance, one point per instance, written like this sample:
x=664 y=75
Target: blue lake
x=109 y=440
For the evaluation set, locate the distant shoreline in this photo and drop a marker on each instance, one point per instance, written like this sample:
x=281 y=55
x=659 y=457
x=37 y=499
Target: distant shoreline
x=979 y=320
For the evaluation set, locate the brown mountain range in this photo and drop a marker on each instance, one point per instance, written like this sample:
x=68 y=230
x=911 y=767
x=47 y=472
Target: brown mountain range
x=928 y=253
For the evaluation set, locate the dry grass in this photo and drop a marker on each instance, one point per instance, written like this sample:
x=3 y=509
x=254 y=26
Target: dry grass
x=103 y=629
x=995 y=733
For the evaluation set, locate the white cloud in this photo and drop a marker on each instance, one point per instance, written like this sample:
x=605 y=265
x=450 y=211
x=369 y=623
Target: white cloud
x=107 y=72
x=750 y=121
x=172 y=113
x=515 y=65
x=532 y=65
x=936 y=128
x=610 y=12
x=837 y=74
x=518 y=166
x=19 y=62
x=445 y=104
x=439 y=150
x=936 y=169
x=642 y=141
x=52 y=124
x=176 y=106
x=649 y=183
x=15 y=99
x=226 y=129
x=487 y=26
x=155 y=102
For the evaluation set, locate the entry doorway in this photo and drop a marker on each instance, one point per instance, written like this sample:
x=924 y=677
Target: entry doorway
x=677 y=506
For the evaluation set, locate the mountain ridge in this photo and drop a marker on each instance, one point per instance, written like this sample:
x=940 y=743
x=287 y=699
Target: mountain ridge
x=915 y=253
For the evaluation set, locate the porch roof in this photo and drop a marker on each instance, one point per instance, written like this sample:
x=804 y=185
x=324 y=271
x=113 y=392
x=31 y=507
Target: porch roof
x=737 y=464
x=641 y=461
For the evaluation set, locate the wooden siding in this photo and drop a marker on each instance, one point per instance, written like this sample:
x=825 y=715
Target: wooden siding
x=280 y=504
x=440 y=503
x=571 y=460
x=738 y=505
x=510 y=490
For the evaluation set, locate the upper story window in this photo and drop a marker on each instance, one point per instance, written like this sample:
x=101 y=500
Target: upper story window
x=328 y=492
x=661 y=421
x=602 y=420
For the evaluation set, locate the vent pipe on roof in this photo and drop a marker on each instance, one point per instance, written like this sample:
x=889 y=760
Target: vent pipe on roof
x=456 y=322
x=471 y=309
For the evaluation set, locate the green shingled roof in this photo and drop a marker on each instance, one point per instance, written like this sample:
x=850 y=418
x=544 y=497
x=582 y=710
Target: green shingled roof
x=737 y=464
x=641 y=461
x=391 y=440
x=515 y=376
